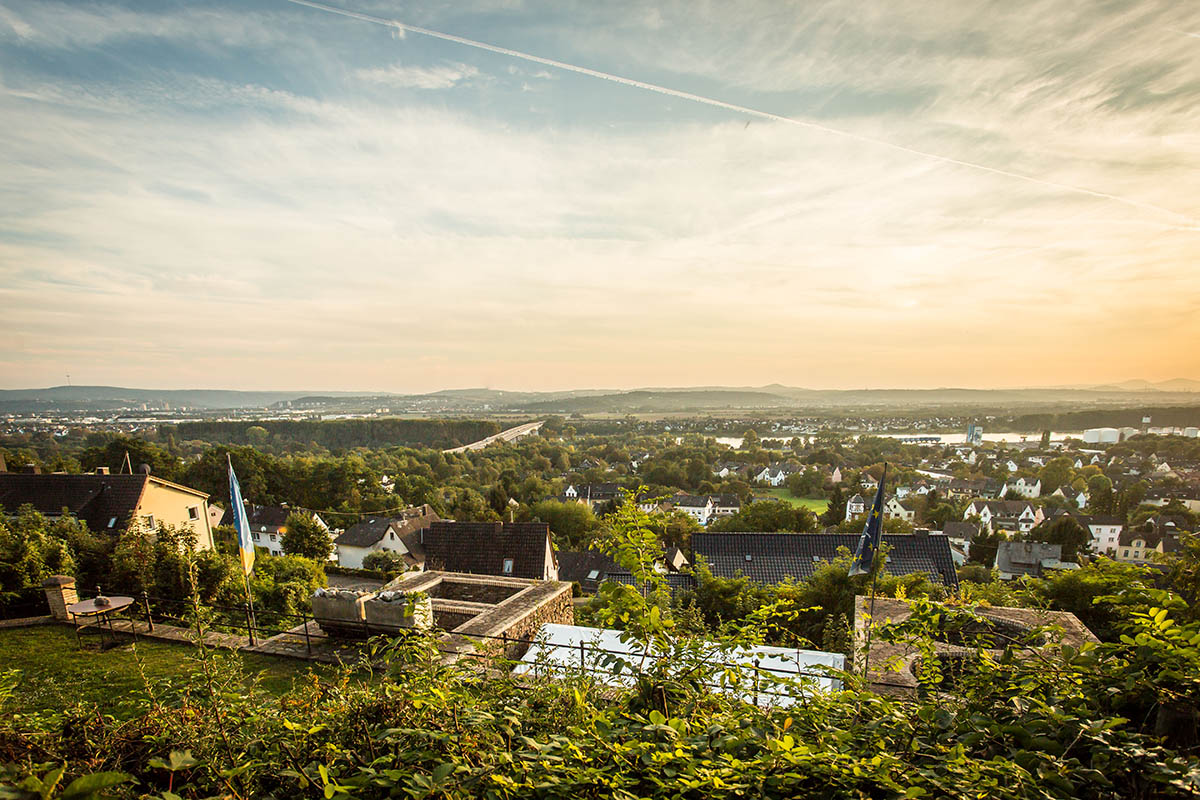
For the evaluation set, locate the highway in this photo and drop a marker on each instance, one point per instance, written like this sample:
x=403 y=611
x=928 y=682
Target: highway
x=503 y=436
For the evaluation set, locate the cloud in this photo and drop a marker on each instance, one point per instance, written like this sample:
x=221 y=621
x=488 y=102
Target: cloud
x=301 y=213
x=445 y=76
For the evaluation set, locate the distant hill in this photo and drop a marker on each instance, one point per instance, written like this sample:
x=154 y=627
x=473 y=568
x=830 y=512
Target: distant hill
x=659 y=401
x=112 y=398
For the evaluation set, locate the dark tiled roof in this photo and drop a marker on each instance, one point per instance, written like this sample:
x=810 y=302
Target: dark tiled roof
x=690 y=500
x=1025 y=558
x=577 y=565
x=406 y=524
x=961 y=530
x=94 y=499
x=268 y=516
x=776 y=556
x=676 y=581
x=482 y=547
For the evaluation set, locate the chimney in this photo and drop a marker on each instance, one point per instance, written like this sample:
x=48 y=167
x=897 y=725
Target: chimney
x=101 y=470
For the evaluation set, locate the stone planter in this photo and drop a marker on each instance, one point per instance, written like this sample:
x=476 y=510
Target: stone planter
x=340 y=612
x=400 y=612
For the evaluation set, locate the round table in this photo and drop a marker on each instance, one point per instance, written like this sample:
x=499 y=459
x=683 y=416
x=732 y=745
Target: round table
x=101 y=613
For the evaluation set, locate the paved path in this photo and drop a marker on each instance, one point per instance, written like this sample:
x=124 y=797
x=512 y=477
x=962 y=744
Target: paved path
x=503 y=436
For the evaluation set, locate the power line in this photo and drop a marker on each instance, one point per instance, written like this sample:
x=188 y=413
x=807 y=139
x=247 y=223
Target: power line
x=652 y=87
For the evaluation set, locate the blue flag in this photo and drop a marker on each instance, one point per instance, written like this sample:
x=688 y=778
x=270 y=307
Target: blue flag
x=868 y=543
x=240 y=522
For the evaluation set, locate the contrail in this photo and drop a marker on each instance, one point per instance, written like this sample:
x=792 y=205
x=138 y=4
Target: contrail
x=709 y=101
x=1185 y=33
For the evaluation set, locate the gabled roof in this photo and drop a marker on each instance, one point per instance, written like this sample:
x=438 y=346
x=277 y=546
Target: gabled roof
x=776 y=556
x=406 y=524
x=97 y=500
x=691 y=500
x=960 y=530
x=1027 y=558
x=269 y=516
x=578 y=566
x=482 y=547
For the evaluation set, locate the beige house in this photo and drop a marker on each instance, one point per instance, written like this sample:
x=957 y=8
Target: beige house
x=110 y=503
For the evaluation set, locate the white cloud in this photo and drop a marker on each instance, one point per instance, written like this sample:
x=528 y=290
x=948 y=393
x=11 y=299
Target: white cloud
x=444 y=76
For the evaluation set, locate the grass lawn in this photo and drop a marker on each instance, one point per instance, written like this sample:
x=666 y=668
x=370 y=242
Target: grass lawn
x=55 y=672
x=817 y=506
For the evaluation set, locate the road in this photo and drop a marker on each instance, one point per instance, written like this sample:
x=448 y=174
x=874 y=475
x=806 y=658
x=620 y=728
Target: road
x=503 y=436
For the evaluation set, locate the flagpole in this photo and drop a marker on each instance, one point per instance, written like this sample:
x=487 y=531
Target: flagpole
x=250 y=621
x=875 y=567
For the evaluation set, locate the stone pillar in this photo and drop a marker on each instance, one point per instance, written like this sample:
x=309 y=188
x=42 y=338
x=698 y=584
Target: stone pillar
x=60 y=593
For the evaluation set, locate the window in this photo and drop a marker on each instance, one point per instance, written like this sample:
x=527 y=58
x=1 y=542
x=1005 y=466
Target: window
x=150 y=520
x=1125 y=554
x=272 y=537
x=112 y=522
x=193 y=512
x=255 y=535
x=508 y=566
x=593 y=575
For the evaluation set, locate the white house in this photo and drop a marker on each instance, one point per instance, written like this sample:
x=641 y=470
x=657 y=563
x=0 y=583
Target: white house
x=699 y=507
x=772 y=476
x=855 y=507
x=268 y=525
x=896 y=508
x=1073 y=496
x=399 y=534
x=725 y=505
x=1028 y=488
x=1024 y=516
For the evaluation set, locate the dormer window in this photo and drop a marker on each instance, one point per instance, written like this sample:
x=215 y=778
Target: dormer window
x=593 y=575
x=748 y=557
x=508 y=566
x=112 y=523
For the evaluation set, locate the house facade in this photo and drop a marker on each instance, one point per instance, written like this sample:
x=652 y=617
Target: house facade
x=269 y=523
x=399 y=534
x=109 y=503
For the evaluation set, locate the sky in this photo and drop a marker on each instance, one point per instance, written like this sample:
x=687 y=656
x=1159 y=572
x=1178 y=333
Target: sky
x=283 y=195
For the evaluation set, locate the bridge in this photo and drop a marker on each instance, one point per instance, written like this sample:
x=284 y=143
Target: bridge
x=510 y=435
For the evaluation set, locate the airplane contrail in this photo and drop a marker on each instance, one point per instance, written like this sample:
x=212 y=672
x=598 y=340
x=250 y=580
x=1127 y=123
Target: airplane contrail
x=696 y=98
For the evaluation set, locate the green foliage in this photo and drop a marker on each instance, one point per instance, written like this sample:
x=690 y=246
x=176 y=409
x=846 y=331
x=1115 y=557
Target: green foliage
x=342 y=434
x=388 y=561
x=768 y=516
x=573 y=525
x=32 y=548
x=302 y=536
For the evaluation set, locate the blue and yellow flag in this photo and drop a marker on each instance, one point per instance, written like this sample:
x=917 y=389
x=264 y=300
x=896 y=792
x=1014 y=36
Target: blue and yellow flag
x=868 y=543
x=240 y=522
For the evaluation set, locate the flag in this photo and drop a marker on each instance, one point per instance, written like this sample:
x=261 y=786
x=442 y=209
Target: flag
x=868 y=543
x=240 y=522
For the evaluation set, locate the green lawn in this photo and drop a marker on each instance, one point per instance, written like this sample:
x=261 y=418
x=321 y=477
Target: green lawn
x=55 y=672
x=816 y=506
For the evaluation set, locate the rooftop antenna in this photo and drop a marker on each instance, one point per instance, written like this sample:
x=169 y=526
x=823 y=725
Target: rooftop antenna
x=125 y=465
x=68 y=379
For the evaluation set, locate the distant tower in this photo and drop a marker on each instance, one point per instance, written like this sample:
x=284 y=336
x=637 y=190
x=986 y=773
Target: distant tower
x=974 y=434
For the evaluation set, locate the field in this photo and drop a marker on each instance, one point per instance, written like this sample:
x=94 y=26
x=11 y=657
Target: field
x=817 y=506
x=54 y=672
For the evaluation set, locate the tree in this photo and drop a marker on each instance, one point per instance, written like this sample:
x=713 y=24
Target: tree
x=836 y=512
x=302 y=536
x=573 y=524
x=1064 y=531
x=1045 y=440
x=767 y=516
x=1100 y=494
x=384 y=561
x=1058 y=472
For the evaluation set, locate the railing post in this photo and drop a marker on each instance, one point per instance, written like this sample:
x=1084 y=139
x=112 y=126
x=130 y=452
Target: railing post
x=756 y=681
x=149 y=617
x=307 y=641
x=581 y=667
x=249 y=623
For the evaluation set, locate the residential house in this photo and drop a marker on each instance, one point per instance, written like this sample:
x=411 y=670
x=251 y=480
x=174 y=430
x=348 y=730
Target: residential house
x=593 y=494
x=1105 y=530
x=770 y=558
x=1018 y=515
x=110 y=503
x=725 y=505
x=1028 y=488
x=1015 y=559
x=836 y=475
x=268 y=524
x=400 y=533
x=510 y=549
x=725 y=469
x=1159 y=534
x=855 y=507
x=896 y=508
x=961 y=534
x=1075 y=497
x=699 y=507
x=588 y=568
